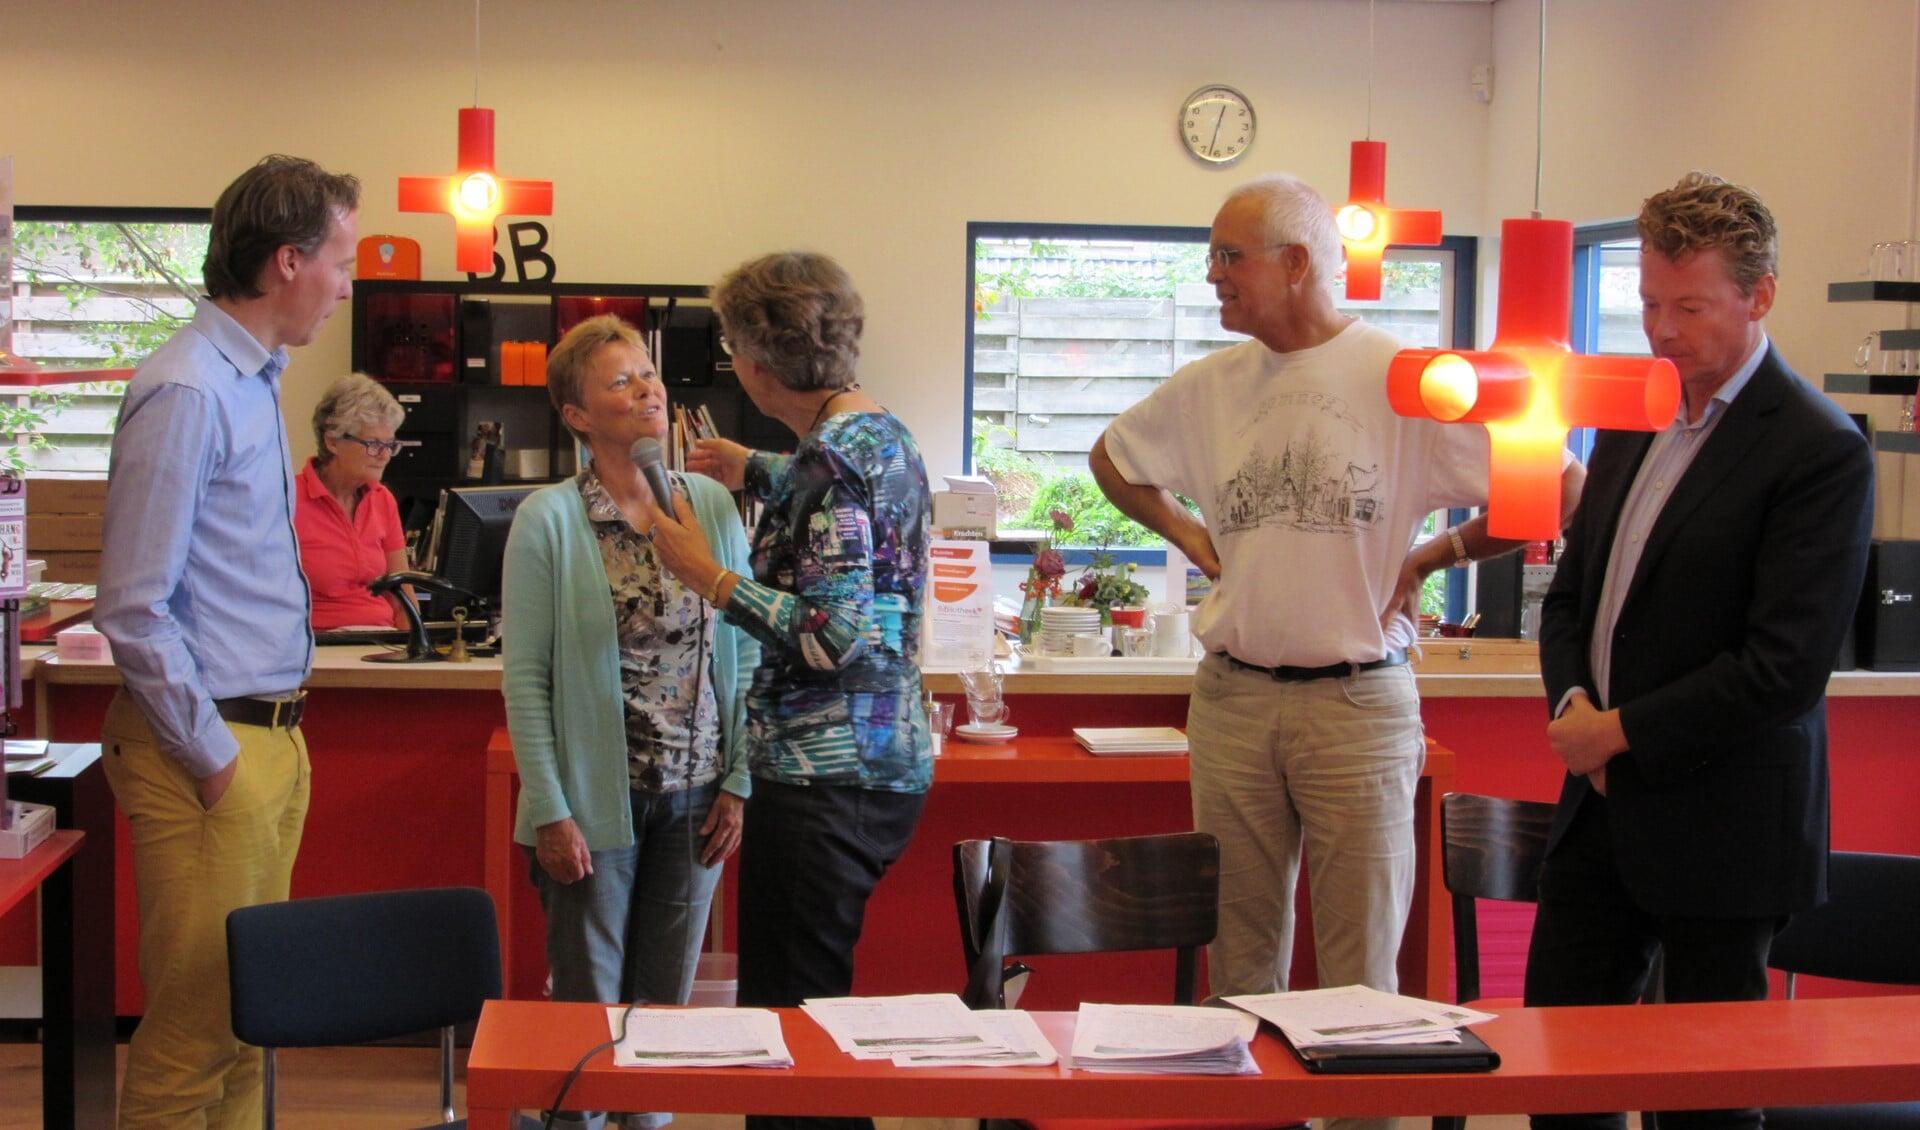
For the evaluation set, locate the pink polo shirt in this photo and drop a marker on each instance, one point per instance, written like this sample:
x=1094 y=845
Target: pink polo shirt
x=340 y=555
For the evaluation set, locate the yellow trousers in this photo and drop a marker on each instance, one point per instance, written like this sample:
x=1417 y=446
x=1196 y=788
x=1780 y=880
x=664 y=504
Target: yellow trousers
x=192 y=866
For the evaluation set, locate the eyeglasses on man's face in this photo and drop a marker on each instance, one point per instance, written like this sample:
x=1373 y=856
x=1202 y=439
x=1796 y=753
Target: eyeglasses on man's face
x=1220 y=258
x=376 y=447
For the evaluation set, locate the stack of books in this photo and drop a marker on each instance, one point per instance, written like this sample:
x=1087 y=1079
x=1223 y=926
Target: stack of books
x=1122 y=741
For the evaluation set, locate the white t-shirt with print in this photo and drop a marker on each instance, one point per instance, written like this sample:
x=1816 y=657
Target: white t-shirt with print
x=1312 y=488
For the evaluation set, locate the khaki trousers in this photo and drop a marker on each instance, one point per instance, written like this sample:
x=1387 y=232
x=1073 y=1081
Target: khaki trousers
x=191 y=867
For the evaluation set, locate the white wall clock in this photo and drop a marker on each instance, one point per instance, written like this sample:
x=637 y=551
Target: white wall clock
x=1216 y=124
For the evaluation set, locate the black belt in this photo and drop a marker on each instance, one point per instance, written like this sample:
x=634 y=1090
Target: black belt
x=1285 y=674
x=274 y=713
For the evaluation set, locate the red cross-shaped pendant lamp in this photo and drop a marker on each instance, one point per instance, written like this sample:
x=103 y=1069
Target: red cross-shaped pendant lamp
x=1367 y=225
x=474 y=195
x=1529 y=388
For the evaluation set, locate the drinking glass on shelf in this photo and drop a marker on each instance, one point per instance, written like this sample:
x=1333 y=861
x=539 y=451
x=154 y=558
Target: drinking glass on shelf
x=986 y=711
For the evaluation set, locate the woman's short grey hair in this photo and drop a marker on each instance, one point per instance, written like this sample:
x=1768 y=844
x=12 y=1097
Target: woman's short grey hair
x=568 y=363
x=352 y=404
x=796 y=315
x=1295 y=213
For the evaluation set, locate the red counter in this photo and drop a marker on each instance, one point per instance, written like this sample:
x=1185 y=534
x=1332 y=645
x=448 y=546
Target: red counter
x=405 y=788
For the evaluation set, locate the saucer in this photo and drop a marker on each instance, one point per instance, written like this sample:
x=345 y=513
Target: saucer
x=985 y=735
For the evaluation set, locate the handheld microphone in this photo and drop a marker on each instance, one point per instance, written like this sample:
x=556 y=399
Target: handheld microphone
x=646 y=455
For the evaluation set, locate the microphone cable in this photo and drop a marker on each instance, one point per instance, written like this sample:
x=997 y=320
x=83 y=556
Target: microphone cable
x=566 y=1084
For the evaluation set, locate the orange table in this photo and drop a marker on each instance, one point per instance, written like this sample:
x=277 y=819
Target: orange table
x=1554 y=1060
x=1046 y=760
x=65 y=1088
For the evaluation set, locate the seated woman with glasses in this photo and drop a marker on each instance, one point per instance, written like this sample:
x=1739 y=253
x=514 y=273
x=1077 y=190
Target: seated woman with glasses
x=348 y=525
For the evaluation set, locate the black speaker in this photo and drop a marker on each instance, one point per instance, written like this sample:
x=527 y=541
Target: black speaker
x=689 y=339
x=1887 y=631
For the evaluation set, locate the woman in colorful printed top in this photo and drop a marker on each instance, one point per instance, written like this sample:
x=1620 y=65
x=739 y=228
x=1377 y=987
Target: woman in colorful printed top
x=624 y=695
x=837 y=738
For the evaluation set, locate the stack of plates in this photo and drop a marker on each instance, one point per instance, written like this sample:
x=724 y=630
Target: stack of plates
x=1060 y=623
x=1124 y=740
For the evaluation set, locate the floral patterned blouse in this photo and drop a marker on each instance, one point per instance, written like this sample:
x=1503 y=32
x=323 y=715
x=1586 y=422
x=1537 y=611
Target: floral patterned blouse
x=658 y=623
x=839 y=568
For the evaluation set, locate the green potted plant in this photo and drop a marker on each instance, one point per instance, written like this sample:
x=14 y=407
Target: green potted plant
x=1109 y=585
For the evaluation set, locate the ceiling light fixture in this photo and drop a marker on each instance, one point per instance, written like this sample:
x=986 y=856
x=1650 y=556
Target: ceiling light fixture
x=1367 y=225
x=475 y=196
x=1529 y=388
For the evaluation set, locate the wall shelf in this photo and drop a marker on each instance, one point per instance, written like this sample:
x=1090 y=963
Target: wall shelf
x=1881 y=384
x=1873 y=384
x=1876 y=290
x=1898 y=443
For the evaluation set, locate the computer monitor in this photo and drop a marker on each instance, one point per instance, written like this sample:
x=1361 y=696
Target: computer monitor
x=473 y=537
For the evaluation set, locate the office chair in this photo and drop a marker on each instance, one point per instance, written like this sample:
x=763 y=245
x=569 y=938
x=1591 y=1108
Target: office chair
x=356 y=968
x=1868 y=930
x=1023 y=898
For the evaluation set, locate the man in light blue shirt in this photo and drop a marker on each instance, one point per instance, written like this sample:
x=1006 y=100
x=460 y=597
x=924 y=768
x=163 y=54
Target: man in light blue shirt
x=203 y=601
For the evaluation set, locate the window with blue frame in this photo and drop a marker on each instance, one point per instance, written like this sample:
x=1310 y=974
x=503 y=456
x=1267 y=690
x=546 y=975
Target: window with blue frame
x=1606 y=300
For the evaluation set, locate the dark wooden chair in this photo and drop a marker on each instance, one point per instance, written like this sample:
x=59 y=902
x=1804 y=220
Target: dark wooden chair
x=1491 y=848
x=1028 y=898
x=1868 y=930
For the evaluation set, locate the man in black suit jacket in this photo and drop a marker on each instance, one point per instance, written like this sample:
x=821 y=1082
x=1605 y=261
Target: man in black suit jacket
x=1709 y=575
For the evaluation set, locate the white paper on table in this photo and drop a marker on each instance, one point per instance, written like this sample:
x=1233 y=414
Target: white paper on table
x=1024 y=1045
x=1163 y=1038
x=878 y=1027
x=1355 y=1014
x=698 y=1037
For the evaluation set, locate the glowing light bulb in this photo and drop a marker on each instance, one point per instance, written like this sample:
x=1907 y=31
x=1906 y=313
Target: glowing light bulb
x=1356 y=222
x=1449 y=386
x=478 y=192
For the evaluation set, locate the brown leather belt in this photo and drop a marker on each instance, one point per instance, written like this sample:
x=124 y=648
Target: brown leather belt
x=273 y=713
x=1330 y=671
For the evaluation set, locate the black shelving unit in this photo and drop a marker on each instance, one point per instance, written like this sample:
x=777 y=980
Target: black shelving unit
x=436 y=345
x=1881 y=384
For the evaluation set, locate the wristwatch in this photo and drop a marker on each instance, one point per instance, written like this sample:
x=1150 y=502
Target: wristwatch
x=1460 y=558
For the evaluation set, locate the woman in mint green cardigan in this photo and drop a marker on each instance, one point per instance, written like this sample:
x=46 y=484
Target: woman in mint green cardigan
x=624 y=696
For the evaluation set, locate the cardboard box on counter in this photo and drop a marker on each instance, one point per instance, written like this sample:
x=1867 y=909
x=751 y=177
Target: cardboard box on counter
x=969 y=504
x=56 y=533
x=30 y=826
x=1469 y=655
x=53 y=493
x=78 y=567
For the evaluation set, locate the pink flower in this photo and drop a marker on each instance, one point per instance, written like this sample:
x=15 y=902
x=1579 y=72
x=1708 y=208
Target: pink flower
x=1062 y=520
x=1049 y=563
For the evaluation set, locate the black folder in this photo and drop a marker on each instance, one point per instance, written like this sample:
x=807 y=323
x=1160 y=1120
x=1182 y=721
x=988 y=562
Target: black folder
x=1470 y=1054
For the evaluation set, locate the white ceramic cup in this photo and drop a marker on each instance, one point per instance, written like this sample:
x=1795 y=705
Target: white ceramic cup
x=1092 y=645
x=1172 y=637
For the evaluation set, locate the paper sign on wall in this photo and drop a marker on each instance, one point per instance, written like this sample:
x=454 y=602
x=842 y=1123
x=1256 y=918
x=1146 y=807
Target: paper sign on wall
x=959 y=605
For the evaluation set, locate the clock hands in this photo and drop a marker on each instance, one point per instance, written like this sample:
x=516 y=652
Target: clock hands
x=1213 y=141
